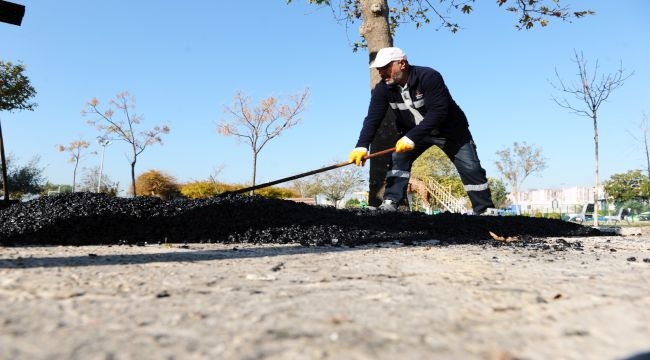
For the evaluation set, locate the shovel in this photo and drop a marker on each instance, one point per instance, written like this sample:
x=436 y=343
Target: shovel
x=298 y=176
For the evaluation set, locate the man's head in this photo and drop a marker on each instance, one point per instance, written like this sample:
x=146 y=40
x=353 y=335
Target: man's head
x=387 y=55
x=392 y=65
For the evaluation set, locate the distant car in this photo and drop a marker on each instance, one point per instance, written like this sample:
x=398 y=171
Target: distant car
x=505 y=212
x=510 y=210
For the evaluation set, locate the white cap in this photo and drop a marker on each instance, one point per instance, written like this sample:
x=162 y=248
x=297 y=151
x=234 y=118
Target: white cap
x=386 y=55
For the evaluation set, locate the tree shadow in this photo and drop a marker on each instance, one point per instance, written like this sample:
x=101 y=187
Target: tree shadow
x=184 y=253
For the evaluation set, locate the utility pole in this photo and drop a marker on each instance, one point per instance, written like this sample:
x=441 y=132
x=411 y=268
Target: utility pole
x=103 y=142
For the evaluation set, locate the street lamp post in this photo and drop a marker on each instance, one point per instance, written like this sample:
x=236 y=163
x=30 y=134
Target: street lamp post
x=103 y=142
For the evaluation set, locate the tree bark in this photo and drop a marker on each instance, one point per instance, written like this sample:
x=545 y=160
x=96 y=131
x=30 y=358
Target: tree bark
x=135 y=191
x=597 y=179
x=5 y=178
x=254 y=177
x=376 y=32
x=643 y=139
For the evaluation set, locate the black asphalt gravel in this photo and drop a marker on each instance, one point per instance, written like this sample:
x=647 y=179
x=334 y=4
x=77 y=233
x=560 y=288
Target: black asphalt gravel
x=98 y=219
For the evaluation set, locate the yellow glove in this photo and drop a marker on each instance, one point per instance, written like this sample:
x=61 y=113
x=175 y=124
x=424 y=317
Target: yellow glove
x=404 y=145
x=357 y=155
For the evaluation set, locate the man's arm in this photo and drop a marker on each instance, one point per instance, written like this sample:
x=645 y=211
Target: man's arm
x=376 y=112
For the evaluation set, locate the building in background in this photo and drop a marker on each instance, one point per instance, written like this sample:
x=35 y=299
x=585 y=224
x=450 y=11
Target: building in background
x=566 y=200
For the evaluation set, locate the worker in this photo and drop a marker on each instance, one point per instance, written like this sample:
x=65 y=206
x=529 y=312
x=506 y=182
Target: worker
x=425 y=115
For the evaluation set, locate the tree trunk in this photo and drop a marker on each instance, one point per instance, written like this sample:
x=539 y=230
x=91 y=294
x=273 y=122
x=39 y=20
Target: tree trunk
x=5 y=178
x=597 y=180
x=376 y=32
x=515 y=193
x=647 y=152
x=135 y=192
x=74 y=176
x=254 y=178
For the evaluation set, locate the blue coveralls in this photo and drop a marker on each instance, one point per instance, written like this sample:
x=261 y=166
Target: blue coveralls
x=431 y=117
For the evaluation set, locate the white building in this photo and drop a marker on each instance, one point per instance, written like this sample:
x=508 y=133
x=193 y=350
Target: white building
x=567 y=200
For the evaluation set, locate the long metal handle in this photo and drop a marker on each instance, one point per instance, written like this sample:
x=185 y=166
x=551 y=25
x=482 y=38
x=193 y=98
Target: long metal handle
x=298 y=176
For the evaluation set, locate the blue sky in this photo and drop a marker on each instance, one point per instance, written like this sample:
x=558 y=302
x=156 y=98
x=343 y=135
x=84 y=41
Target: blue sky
x=184 y=61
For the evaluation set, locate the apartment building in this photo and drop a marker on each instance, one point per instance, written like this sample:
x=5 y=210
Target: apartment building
x=566 y=200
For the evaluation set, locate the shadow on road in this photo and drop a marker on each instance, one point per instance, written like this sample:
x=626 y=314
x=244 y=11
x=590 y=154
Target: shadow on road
x=178 y=254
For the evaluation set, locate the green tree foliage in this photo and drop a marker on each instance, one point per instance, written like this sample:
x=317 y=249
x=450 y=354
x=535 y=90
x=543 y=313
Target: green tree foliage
x=499 y=193
x=336 y=184
x=424 y=12
x=632 y=185
x=519 y=162
x=23 y=180
x=124 y=129
x=16 y=92
x=157 y=183
x=434 y=164
x=352 y=203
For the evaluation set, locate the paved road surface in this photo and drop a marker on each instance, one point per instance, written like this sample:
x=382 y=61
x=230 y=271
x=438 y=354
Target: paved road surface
x=207 y=301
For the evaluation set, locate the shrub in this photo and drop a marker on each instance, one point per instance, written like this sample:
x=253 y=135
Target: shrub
x=352 y=203
x=554 y=215
x=156 y=183
x=201 y=189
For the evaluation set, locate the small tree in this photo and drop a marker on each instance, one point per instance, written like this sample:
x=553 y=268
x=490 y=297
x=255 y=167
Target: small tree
x=631 y=185
x=90 y=182
x=644 y=131
x=499 y=193
x=15 y=94
x=518 y=163
x=336 y=184
x=589 y=92
x=434 y=164
x=257 y=126
x=306 y=187
x=26 y=179
x=124 y=129
x=75 y=150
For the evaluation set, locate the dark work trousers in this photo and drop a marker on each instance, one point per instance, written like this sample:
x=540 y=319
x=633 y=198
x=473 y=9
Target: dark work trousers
x=464 y=156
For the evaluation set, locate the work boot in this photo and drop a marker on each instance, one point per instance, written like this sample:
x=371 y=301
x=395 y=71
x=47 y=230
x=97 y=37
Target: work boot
x=388 y=205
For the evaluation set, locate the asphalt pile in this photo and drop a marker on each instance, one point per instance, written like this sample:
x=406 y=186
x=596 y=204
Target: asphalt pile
x=98 y=219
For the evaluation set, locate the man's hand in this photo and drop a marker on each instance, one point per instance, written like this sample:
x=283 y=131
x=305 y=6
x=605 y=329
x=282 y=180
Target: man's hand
x=404 y=145
x=357 y=155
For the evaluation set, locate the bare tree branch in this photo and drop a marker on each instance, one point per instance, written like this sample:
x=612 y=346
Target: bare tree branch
x=589 y=92
x=257 y=126
x=124 y=129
